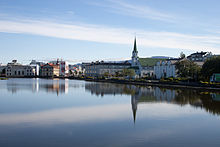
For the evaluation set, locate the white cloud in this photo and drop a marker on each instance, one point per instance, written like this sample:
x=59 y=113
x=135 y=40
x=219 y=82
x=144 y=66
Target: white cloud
x=103 y=34
x=142 y=11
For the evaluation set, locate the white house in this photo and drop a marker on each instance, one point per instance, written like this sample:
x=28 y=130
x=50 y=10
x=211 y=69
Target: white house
x=165 y=69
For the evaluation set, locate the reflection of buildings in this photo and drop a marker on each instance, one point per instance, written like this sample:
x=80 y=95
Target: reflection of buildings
x=35 y=85
x=211 y=103
x=138 y=94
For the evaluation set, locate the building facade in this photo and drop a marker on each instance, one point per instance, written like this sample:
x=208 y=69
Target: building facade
x=199 y=56
x=15 y=69
x=165 y=69
x=99 y=69
x=76 y=70
x=50 y=70
x=64 y=68
x=3 y=70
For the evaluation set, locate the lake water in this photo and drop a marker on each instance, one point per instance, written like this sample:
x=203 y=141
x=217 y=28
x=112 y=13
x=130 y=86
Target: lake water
x=44 y=113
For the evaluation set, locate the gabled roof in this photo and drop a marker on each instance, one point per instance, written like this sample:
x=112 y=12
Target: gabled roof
x=50 y=64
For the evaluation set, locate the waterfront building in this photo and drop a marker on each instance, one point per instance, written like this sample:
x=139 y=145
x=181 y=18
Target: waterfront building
x=165 y=69
x=99 y=69
x=15 y=69
x=50 y=70
x=2 y=70
x=36 y=68
x=199 y=56
x=63 y=67
x=76 y=70
x=147 y=65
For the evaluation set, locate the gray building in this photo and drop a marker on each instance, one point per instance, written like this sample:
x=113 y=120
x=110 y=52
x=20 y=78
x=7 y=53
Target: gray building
x=2 y=70
x=98 y=69
x=15 y=69
x=199 y=56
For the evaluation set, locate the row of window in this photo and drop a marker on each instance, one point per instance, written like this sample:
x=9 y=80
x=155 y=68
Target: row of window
x=104 y=66
x=20 y=74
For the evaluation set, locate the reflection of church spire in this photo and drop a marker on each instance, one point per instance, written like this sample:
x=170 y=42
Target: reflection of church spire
x=134 y=106
x=134 y=114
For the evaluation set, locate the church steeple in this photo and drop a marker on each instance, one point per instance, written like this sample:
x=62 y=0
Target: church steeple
x=135 y=46
x=135 y=54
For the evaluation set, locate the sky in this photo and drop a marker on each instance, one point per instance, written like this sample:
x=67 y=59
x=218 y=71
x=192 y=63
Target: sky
x=90 y=30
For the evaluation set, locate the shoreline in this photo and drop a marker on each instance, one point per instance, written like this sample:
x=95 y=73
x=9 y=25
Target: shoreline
x=160 y=84
x=196 y=86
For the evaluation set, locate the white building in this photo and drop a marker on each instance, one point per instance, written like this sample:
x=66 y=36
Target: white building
x=15 y=69
x=36 y=68
x=165 y=69
x=64 y=68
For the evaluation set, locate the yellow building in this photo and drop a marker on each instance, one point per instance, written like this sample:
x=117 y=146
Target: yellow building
x=50 y=70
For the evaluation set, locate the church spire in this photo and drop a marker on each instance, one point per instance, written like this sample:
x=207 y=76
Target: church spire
x=134 y=103
x=135 y=45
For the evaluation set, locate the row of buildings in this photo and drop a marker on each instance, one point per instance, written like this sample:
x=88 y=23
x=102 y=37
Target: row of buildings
x=154 y=67
x=35 y=69
x=157 y=67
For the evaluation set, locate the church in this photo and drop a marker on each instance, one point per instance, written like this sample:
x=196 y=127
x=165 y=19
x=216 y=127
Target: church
x=99 y=69
x=135 y=63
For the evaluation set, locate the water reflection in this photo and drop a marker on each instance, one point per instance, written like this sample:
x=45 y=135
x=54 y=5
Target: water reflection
x=31 y=112
x=139 y=95
x=35 y=85
x=198 y=99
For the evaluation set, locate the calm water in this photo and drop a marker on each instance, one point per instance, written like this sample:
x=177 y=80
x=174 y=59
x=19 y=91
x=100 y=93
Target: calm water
x=44 y=113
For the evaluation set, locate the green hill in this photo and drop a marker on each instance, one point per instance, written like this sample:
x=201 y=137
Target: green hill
x=149 y=61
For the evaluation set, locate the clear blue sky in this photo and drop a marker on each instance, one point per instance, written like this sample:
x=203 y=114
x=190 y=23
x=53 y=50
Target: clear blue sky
x=86 y=30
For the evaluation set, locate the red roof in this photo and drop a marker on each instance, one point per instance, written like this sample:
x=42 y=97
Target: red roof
x=50 y=64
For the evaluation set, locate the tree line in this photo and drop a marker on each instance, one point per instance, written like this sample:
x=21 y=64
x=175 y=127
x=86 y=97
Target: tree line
x=189 y=69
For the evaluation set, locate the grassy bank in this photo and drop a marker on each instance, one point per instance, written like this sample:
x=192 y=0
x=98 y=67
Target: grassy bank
x=159 y=83
x=3 y=78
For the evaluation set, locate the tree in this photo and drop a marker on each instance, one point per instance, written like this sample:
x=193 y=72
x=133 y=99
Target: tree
x=106 y=74
x=128 y=72
x=187 y=68
x=210 y=67
x=182 y=55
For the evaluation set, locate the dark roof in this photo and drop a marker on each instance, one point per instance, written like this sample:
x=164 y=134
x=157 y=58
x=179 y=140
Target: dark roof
x=126 y=63
x=50 y=64
x=197 y=53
